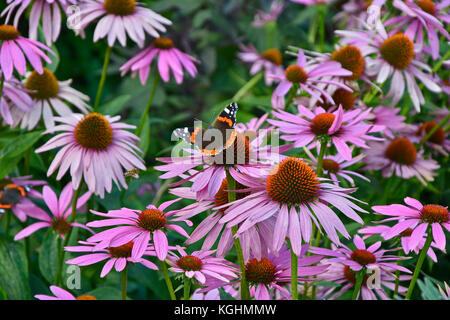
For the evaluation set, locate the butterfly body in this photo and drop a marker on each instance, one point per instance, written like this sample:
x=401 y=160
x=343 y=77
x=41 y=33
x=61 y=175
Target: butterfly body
x=215 y=139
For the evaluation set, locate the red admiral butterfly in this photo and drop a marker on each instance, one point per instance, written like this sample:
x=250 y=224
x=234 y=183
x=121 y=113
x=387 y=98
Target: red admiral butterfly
x=217 y=138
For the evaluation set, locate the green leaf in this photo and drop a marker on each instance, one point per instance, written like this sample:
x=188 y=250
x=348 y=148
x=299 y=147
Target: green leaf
x=7 y=165
x=19 y=144
x=48 y=256
x=55 y=59
x=14 y=271
x=115 y=106
x=225 y=295
x=2 y=294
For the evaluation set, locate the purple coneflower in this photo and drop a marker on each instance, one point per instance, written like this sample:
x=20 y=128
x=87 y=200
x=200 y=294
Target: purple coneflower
x=61 y=294
x=273 y=273
x=118 y=257
x=262 y=18
x=15 y=50
x=334 y=167
x=270 y=61
x=362 y=257
x=169 y=58
x=342 y=128
x=49 y=93
x=297 y=197
x=404 y=237
x=342 y=275
x=94 y=147
x=438 y=141
x=386 y=120
x=119 y=18
x=15 y=193
x=249 y=157
x=60 y=209
x=201 y=265
x=14 y=98
x=397 y=58
x=431 y=219
x=399 y=157
x=257 y=239
x=420 y=16
x=137 y=226
x=308 y=78
x=48 y=10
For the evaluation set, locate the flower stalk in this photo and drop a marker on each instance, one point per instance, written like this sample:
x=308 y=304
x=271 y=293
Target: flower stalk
x=167 y=279
x=149 y=103
x=103 y=78
x=358 y=284
x=123 y=282
x=245 y=292
x=419 y=264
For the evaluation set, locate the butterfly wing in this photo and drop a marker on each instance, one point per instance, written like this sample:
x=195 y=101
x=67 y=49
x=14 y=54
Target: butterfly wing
x=205 y=139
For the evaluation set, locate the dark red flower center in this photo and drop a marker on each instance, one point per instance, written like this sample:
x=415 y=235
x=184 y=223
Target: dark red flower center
x=350 y=58
x=44 y=86
x=260 y=271
x=427 y=6
x=322 y=123
x=120 y=7
x=402 y=151
x=296 y=74
x=293 y=182
x=86 y=297
x=151 y=220
x=406 y=233
x=8 y=33
x=163 y=43
x=330 y=165
x=363 y=257
x=123 y=251
x=190 y=263
x=61 y=226
x=398 y=51
x=273 y=55
x=438 y=137
x=94 y=132
x=221 y=196
x=351 y=276
x=11 y=194
x=434 y=213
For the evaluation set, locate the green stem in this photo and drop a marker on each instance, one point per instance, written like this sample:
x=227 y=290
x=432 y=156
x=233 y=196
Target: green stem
x=123 y=282
x=321 y=17
x=433 y=130
x=419 y=264
x=167 y=279
x=149 y=103
x=102 y=79
x=245 y=292
x=2 y=84
x=291 y=94
x=441 y=62
x=61 y=254
x=358 y=284
x=187 y=288
x=250 y=84
x=294 y=275
x=323 y=148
